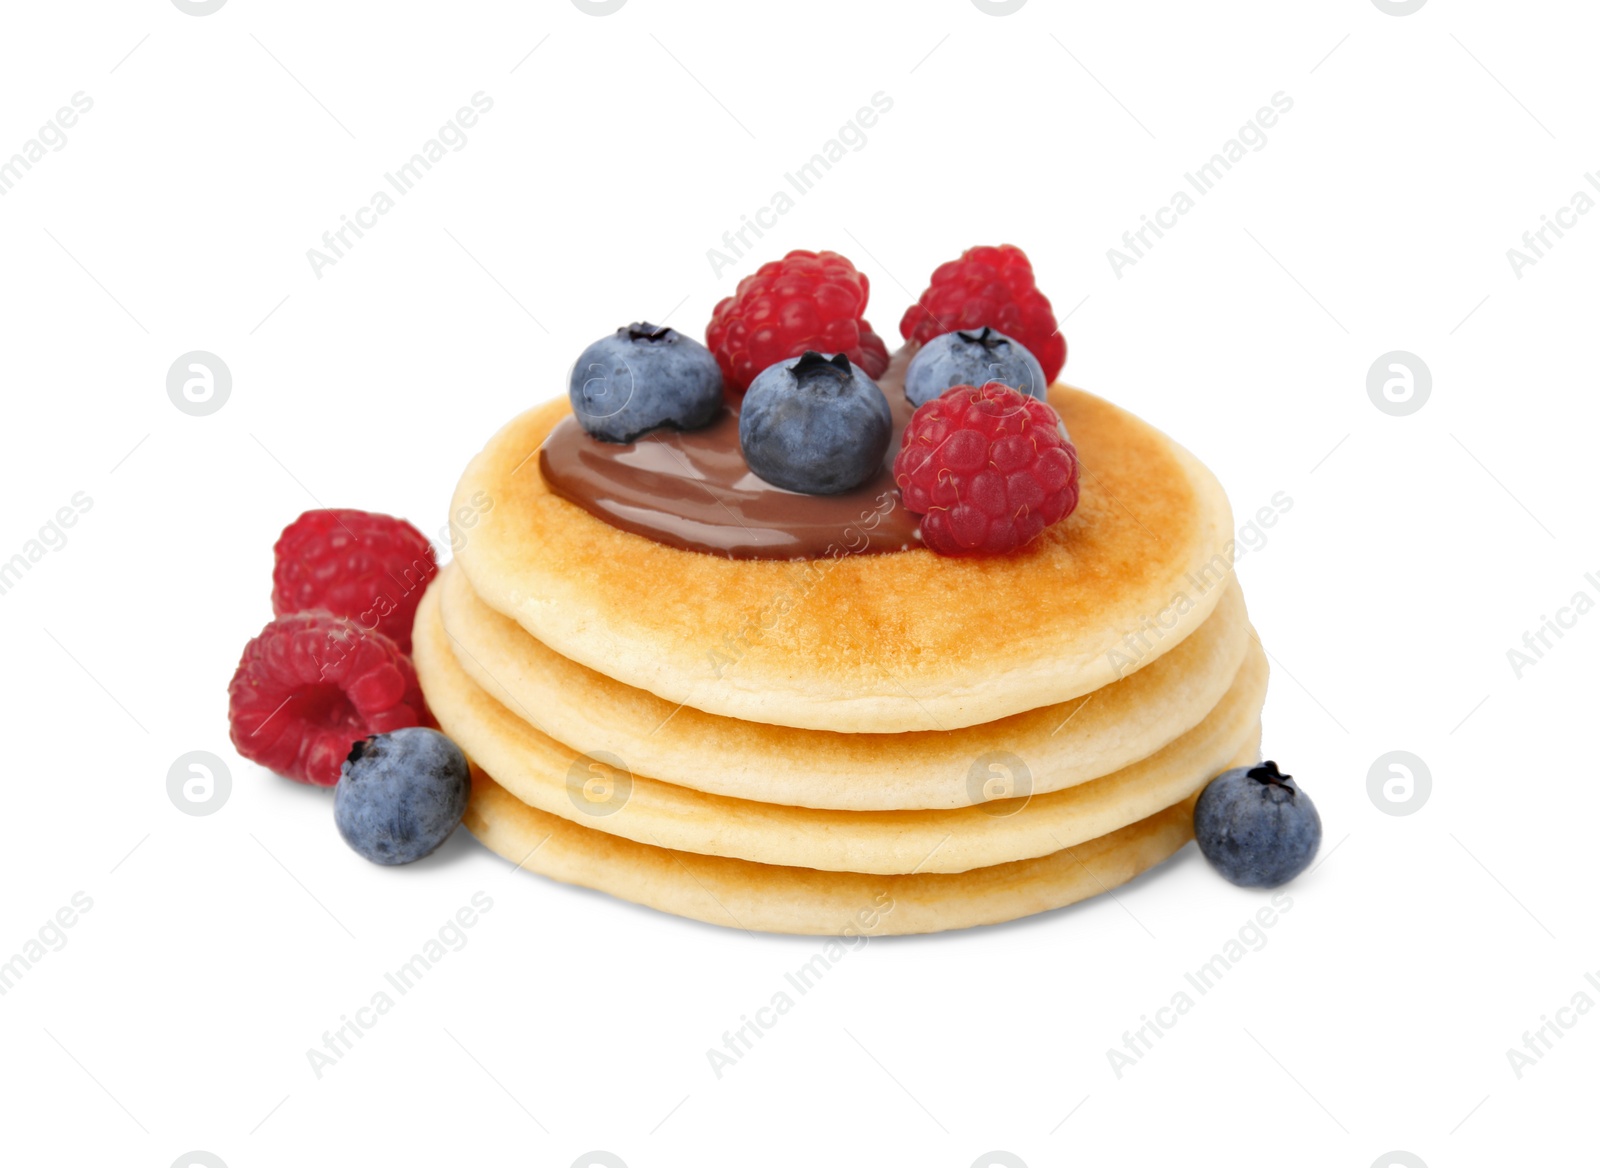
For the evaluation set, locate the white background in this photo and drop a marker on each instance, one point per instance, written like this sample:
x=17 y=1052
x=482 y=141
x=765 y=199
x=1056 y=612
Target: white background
x=1418 y=550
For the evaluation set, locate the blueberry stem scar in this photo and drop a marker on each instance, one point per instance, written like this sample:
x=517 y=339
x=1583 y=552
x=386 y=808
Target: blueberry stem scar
x=813 y=364
x=988 y=338
x=1267 y=773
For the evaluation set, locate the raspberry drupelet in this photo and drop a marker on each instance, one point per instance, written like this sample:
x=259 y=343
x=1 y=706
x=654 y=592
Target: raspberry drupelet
x=806 y=300
x=990 y=286
x=368 y=567
x=987 y=468
x=313 y=684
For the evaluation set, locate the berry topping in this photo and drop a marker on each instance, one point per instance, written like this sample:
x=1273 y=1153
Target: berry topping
x=987 y=468
x=1257 y=827
x=641 y=377
x=400 y=795
x=989 y=286
x=309 y=686
x=818 y=425
x=370 y=568
x=972 y=358
x=806 y=300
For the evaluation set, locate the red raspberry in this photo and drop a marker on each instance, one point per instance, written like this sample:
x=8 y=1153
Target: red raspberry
x=370 y=568
x=310 y=687
x=989 y=286
x=987 y=469
x=806 y=300
x=874 y=353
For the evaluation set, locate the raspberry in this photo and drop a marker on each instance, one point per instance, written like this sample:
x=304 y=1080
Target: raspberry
x=370 y=568
x=313 y=684
x=806 y=300
x=989 y=286
x=987 y=469
x=874 y=353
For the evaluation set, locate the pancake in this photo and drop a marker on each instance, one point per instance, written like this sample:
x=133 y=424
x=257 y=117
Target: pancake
x=1063 y=744
x=878 y=643
x=556 y=779
x=769 y=899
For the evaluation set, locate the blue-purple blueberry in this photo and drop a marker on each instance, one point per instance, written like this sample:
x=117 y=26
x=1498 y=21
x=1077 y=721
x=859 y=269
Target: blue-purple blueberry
x=401 y=794
x=1256 y=826
x=642 y=377
x=817 y=424
x=972 y=357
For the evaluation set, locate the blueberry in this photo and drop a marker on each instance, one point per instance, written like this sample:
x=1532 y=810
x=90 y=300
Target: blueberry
x=641 y=377
x=401 y=794
x=818 y=425
x=972 y=358
x=1256 y=826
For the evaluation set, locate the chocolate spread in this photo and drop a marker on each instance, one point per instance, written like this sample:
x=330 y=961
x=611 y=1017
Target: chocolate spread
x=691 y=489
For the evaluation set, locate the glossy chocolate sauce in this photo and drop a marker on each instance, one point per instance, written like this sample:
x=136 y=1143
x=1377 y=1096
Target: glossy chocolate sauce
x=692 y=489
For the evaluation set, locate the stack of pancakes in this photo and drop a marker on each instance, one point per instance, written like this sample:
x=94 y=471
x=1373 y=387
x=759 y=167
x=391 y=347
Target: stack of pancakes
x=861 y=744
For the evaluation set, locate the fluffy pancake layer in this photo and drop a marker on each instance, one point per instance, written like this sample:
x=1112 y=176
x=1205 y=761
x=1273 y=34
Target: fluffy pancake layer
x=864 y=644
x=765 y=898
x=556 y=779
x=1063 y=744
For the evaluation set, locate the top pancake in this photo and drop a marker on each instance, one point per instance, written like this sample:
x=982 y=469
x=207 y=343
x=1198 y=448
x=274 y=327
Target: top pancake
x=869 y=643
